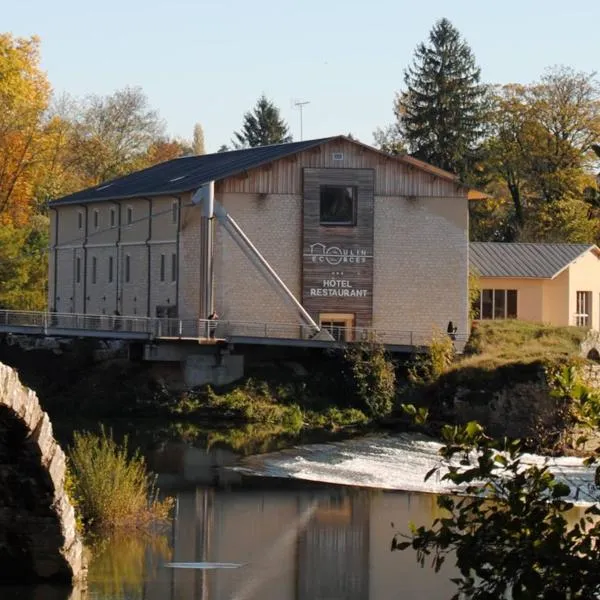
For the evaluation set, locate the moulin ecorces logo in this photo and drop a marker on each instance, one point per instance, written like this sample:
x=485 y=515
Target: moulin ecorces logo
x=334 y=255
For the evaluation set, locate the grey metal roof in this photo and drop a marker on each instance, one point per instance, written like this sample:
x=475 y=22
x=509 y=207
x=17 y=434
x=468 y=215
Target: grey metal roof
x=187 y=173
x=498 y=259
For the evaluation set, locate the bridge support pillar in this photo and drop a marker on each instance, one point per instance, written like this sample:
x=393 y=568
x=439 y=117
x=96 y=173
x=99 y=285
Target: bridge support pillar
x=212 y=369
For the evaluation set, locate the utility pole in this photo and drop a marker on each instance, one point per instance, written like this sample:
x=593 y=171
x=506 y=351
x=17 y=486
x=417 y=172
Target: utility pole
x=300 y=105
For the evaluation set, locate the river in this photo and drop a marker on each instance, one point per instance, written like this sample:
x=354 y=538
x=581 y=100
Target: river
x=281 y=526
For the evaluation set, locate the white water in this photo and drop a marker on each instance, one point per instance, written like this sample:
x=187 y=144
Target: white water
x=397 y=462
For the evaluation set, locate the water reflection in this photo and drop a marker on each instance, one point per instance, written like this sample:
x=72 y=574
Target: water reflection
x=305 y=544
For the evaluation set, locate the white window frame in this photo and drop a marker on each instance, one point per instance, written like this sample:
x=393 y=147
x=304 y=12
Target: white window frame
x=583 y=308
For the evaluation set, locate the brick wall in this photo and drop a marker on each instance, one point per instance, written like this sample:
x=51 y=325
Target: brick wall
x=273 y=224
x=420 y=264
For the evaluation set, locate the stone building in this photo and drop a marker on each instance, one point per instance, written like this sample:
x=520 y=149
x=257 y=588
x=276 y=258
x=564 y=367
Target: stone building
x=362 y=239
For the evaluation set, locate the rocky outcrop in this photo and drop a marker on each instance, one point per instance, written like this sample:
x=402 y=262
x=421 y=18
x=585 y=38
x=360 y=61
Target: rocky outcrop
x=38 y=535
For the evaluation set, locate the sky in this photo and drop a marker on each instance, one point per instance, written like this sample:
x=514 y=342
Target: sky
x=208 y=61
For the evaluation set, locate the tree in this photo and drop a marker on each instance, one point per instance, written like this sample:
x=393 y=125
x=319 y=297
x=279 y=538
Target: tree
x=24 y=95
x=538 y=153
x=164 y=149
x=509 y=530
x=223 y=148
x=442 y=113
x=198 y=142
x=24 y=265
x=114 y=133
x=389 y=140
x=262 y=126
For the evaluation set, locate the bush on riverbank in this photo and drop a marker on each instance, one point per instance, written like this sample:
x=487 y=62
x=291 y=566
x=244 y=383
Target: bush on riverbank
x=111 y=488
x=270 y=405
x=505 y=380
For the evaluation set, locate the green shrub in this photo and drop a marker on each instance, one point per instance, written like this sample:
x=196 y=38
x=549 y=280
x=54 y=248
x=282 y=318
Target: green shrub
x=428 y=367
x=110 y=488
x=374 y=377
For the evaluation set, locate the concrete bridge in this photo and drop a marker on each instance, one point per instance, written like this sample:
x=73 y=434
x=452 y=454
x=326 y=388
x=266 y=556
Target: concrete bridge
x=155 y=329
x=38 y=538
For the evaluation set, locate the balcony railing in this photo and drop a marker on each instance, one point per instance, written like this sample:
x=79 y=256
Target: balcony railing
x=116 y=326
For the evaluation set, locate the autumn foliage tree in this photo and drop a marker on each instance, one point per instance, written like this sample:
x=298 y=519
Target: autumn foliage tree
x=539 y=159
x=50 y=147
x=24 y=96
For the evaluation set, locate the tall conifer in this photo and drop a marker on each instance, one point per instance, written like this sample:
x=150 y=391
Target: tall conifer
x=262 y=126
x=441 y=113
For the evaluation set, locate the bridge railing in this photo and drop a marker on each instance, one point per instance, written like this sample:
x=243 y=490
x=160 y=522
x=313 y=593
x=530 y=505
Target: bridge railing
x=165 y=328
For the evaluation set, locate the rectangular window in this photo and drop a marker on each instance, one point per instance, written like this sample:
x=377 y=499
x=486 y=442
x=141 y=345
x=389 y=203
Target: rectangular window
x=497 y=304
x=79 y=219
x=78 y=270
x=583 y=315
x=127 y=268
x=129 y=215
x=338 y=205
x=162 y=267
x=96 y=219
x=174 y=212
x=173 y=267
x=113 y=217
x=94 y=268
x=487 y=304
x=511 y=304
x=110 y=269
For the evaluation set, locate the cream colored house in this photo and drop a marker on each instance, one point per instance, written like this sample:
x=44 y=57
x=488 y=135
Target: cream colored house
x=546 y=283
x=363 y=240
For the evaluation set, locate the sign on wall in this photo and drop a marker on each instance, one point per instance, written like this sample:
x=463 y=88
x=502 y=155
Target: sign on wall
x=338 y=257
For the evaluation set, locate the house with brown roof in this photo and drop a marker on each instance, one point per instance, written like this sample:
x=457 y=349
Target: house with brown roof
x=550 y=283
x=362 y=240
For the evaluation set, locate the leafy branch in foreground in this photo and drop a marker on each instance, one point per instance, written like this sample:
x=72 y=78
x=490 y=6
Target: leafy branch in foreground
x=510 y=533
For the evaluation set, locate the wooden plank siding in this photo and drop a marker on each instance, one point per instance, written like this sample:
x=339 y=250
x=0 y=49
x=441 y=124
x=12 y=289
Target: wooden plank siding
x=392 y=176
x=338 y=259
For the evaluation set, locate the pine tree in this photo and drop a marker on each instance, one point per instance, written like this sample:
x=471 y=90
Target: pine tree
x=262 y=126
x=441 y=114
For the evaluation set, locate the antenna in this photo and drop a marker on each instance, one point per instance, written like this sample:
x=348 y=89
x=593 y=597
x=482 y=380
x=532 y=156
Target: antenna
x=300 y=104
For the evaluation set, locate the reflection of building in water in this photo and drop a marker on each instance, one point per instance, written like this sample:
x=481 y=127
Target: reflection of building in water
x=297 y=545
x=337 y=536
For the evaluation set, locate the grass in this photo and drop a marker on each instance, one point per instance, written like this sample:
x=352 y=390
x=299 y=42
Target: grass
x=110 y=487
x=501 y=352
x=495 y=344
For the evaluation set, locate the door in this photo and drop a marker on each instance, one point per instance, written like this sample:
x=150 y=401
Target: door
x=339 y=325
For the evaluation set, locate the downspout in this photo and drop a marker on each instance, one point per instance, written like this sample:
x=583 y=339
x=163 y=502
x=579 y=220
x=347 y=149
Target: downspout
x=177 y=238
x=149 y=255
x=55 y=272
x=118 y=259
x=85 y=241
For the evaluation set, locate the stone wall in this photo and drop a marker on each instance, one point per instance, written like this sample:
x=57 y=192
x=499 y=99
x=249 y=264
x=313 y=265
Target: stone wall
x=38 y=536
